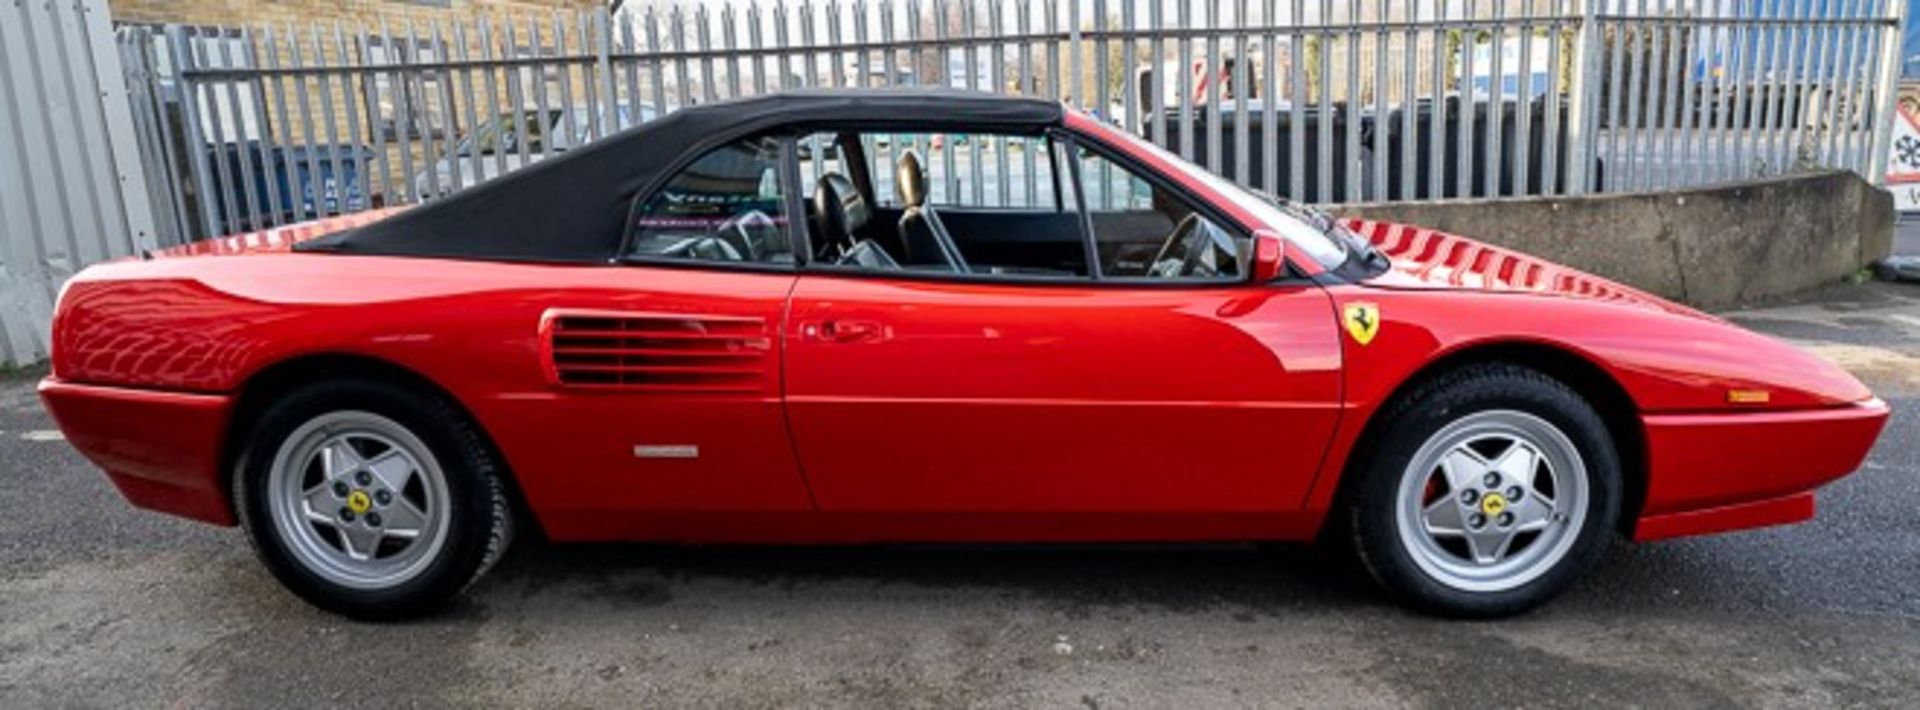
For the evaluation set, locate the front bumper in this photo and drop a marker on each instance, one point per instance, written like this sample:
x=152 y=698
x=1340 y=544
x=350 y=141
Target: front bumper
x=161 y=449
x=1726 y=471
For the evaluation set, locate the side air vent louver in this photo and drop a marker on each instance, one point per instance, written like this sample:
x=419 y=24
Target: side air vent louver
x=663 y=352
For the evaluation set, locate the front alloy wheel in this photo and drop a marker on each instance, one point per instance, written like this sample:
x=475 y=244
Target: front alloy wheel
x=1485 y=491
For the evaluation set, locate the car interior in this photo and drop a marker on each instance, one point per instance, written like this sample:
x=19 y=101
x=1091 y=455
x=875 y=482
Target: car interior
x=910 y=203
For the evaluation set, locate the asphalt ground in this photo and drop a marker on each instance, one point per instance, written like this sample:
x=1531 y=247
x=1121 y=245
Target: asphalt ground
x=103 y=605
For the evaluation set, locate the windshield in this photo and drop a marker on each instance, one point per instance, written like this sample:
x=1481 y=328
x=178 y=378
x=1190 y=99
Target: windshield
x=1313 y=231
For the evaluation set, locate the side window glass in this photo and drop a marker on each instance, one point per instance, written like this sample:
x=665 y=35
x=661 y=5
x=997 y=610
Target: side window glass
x=727 y=206
x=974 y=204
x=1143 y=231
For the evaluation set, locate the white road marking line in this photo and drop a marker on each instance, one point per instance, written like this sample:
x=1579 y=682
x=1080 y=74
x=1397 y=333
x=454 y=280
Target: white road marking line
x=1913 y=321
x=43 y=435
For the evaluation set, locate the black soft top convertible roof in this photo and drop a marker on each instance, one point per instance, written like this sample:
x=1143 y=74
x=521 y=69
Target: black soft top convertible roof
x=573 y=207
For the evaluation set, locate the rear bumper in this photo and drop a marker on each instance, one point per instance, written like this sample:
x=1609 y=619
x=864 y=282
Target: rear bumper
x=161 y=449
x=1717 y=472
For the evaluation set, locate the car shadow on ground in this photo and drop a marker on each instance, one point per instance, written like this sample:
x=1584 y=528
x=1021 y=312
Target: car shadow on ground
x=1184 y=577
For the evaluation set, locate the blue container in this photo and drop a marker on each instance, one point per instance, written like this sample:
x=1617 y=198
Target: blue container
x=303 y=178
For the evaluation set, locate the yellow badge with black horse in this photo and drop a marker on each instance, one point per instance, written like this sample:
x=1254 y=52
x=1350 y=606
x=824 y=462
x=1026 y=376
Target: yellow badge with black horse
x=1362 y=320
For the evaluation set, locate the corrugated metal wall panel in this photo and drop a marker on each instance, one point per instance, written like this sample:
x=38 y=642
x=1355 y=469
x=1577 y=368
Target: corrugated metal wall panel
x=71 y=189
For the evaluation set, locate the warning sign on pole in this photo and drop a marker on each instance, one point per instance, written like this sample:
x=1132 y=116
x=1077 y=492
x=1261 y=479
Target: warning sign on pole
x=1903 y=164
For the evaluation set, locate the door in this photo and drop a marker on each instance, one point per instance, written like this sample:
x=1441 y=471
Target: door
x=1160 y=386
x=980 y=397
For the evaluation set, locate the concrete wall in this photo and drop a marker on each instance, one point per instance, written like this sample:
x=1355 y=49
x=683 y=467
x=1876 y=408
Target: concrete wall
x=1707 y=247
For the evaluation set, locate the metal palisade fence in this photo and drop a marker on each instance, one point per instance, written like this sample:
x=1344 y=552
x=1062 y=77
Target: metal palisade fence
x=1328 y=102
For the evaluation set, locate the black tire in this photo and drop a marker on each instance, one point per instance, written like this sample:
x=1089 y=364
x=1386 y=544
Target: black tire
x=1372 y=520
x=481 y=519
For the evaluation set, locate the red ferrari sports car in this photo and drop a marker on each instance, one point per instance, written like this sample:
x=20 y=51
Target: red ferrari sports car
x=873 y=316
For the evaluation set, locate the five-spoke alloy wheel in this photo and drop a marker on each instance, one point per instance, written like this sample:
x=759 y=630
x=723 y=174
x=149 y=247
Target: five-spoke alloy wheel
x=1484 y=492
x=370 y=497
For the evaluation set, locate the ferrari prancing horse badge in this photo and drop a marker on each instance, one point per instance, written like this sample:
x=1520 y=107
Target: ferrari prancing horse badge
x=1362 y=320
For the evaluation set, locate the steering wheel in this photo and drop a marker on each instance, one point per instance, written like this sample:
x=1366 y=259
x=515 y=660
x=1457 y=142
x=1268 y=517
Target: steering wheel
x=747 y=233
x=1190 y=250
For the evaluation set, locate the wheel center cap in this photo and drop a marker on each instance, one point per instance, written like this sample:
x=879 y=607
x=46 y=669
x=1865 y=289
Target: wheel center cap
x=358 y=502
x=1493 y=504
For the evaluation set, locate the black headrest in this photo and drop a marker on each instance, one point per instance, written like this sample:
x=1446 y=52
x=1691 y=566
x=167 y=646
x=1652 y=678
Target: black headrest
x=910 y=181
x=838 y=208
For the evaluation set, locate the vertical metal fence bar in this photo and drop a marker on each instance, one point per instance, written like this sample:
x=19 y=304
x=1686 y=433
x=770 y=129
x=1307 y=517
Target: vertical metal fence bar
x=1550 y=177
x=976 y=176
x=1859 y=138
x=709 y=84
x=179 y=42
x=890 y=58
x=1829 y=94
x=419 y=105
x=1409 y=102
x=268 y=147
x=1491 y=178
x=1523 y=147
x=333 y=131
x=1324 y=125
x=154 y=108
x=1689 y=104
x=1758 y=70
x=1436 y=107
x=1129 y=69
x=1893 y=14
x=1468 y=106
x=1350 y=113
x=443 y=146
x=1023 y=22
x=401 y=91
x=1214 y=84
x=475 y=161
x=228 y=192
x=568 y=123
x=492 y=89
x=1788 y=124
x=1780 y=60
x=1654 y=174
x=949 y=184
x=1713 y=89
x=286 y=163
x=601 y=26
x=637 y=106
x=1380 y=91
x=351 y=106
x=1670 y=108
x=546 y=119
x=247 y=199
x=1637 y=72
x=517 y=75
x=1746 y=98
x=1183 y=69
x=1270 y=101
x=1158 y=90
x=998 y=66
x=1857 y=53
x=1729 y=157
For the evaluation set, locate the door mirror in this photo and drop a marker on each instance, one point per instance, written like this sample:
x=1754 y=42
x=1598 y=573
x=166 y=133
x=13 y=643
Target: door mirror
x=1269 y=256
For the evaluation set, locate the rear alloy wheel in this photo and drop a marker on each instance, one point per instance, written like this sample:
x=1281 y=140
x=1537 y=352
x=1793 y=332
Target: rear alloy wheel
x=370 y=499
x=359 y=500
x=1493 y=487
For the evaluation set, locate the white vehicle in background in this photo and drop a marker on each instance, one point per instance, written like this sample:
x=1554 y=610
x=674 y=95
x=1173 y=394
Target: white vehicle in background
x=495 y=146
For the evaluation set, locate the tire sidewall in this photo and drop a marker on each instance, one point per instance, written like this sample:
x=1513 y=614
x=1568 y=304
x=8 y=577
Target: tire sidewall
x=1375 y=519
x=470 y=487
